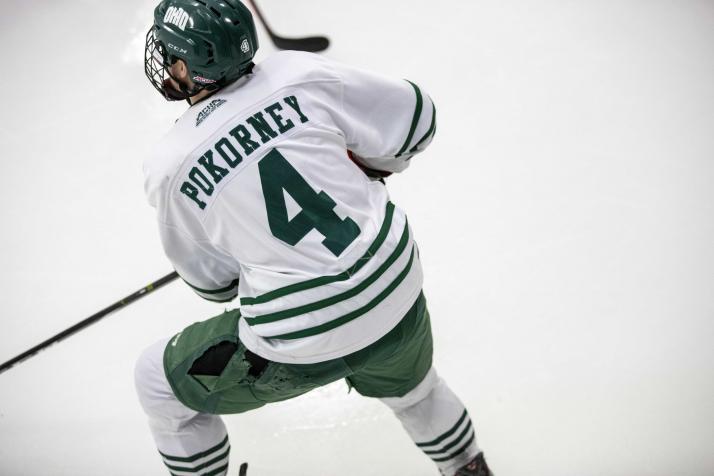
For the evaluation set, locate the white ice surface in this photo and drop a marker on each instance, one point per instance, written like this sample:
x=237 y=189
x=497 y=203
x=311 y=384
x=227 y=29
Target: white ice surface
x=564 y=215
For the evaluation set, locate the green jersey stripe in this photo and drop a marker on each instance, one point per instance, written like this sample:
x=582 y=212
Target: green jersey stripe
x=233 y=284
x=328 y=326
x=322 y=280
x=203 y=454
x=415 y=119
x=457 y=452
x=456 y=441
x=304 y=309
x=429 y=133
x=447 y=434
x=201 y=466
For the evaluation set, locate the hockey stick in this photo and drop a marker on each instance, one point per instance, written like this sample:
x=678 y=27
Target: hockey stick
x=243 y=471
x=90 y=320
x=312 y=43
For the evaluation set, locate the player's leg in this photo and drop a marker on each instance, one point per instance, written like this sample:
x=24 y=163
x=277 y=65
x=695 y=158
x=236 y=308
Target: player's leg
x=188 y=441
x=399 y=372
x=204 y=371
x=185 y=382
x=438 y=423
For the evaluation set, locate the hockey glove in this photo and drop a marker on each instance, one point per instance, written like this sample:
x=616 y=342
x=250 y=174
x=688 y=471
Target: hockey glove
x=374 y=174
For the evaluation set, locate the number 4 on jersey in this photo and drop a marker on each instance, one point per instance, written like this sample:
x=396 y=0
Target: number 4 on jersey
x=276 y=175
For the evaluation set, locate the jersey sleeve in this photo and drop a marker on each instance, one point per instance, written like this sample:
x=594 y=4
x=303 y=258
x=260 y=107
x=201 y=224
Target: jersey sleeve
x=211 y=273
x=386 y=121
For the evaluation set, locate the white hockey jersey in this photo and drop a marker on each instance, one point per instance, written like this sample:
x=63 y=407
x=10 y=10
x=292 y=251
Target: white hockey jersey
x=256 y=197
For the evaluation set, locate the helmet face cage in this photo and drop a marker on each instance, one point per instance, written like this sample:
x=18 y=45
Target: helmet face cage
x=216 y=40
x=156 y=67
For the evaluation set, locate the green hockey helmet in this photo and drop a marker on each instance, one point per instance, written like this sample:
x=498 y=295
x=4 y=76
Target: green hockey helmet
x=215 y=38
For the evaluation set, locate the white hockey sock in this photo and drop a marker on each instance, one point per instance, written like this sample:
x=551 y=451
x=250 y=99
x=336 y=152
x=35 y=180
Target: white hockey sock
x=438 y=423
x=189 y=442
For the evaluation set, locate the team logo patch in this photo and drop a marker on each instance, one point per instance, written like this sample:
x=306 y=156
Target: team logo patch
x=245 y=46
x=177 y=16
x=212 y=106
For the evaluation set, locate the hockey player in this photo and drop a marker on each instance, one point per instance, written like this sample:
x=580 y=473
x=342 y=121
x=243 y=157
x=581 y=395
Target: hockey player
x=257 y=197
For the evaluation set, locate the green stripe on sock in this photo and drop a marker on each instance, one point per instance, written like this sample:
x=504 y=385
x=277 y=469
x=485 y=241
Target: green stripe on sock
x=202 y=465
x=447 y=434
x=213 y=472
x=354 y=314
x=296 y=311
x=415 y=119
x=313 y=283
x=457 y=452
x=203 y=454
x=457 y=441
x=216 y=471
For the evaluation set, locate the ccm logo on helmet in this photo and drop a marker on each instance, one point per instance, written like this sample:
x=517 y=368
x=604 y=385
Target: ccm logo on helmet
x=176 y=16
x=176 y=48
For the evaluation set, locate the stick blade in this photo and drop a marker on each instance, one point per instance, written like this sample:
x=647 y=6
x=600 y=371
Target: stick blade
x=243 y=471
x=312 y=44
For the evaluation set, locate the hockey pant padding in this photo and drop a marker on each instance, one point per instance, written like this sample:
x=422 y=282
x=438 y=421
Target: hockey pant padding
x=189 y=442
x=211 y=371
x=437 y=422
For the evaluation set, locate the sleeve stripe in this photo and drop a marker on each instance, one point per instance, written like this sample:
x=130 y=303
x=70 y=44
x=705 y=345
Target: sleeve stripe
x=229 y=299
x=429 y=133
x=230 y=287
x=415 y=119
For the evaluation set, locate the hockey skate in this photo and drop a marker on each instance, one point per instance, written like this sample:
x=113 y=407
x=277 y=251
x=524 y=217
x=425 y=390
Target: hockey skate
x=477 y=467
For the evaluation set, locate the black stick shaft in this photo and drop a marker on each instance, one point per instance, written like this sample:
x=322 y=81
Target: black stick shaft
x=90 y=320
x=270 y=31
x=312 y=44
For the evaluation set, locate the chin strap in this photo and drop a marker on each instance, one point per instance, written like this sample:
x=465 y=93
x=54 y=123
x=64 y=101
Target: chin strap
x=172 y=93
x=184 y=93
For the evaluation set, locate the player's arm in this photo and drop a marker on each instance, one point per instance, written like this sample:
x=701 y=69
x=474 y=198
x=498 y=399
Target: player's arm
x=211 y=273
x=386 y=121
